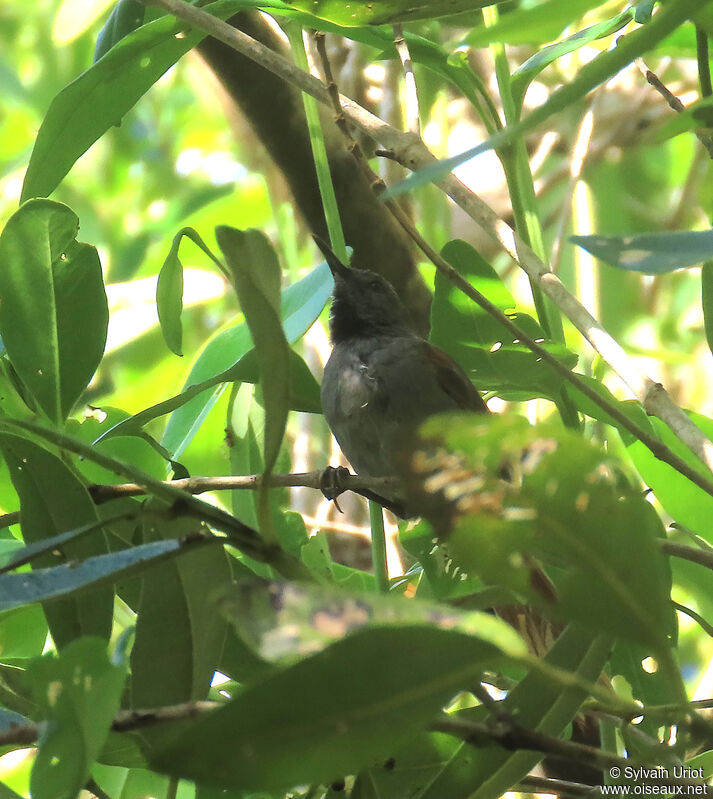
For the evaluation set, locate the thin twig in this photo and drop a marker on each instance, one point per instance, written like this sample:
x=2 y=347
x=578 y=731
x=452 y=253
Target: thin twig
x=674 y=103
x=547 y=785
x=413 y=117
x=125 y=721
x=409 y=150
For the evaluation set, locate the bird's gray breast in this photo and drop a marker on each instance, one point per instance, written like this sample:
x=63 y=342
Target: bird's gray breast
x=356 y=405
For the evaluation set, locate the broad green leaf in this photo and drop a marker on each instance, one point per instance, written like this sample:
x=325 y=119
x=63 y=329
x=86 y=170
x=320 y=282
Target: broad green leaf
x=630 y=408
x=591 y=75
x=539 y=704
x=60 y=582
x=79 y=692
x=245 y=423
x=256 y=274
x=286 y=621
x=53 y=500
x=482 y=346
x=46 y=277
x=169 y=289
x=179 y=629
x=302 y=303
x=681 y=499
x=98 y=99
x=651 y=253
x=532 y=25
x=331 y=726
x=128 y=449
x=597 y=535
x=8 y=793
x=381 y=12
x=23 y=633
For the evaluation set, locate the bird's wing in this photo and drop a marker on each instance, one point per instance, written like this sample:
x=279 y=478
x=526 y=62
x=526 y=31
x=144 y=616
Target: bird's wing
x=453 y=380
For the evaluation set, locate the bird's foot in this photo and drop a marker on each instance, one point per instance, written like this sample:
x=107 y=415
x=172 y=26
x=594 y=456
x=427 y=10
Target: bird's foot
x=331 y=483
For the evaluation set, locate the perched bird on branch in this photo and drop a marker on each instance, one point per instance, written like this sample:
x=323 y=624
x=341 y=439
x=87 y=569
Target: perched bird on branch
x=382 y=380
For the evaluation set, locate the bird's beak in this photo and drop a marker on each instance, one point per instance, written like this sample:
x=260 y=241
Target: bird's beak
x=337 y=268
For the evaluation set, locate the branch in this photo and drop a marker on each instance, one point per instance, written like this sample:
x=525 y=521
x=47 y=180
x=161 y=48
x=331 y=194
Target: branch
x=125 y=721
x=250 y=482
x=410 y=151
x=700 y=556
x=510 y=735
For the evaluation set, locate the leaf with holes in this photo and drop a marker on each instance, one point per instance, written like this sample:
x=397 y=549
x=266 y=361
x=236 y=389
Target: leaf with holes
x=79 y=693
x=482 y=346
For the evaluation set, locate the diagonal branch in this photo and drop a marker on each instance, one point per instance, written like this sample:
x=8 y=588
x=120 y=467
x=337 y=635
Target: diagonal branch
x=410 y=151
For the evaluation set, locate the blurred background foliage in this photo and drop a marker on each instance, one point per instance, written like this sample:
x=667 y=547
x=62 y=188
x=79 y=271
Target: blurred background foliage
x=185 y=156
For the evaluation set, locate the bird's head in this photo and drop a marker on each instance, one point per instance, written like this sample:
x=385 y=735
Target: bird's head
x=364 y=303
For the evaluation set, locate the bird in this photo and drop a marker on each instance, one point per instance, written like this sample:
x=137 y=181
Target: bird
x=382 y=379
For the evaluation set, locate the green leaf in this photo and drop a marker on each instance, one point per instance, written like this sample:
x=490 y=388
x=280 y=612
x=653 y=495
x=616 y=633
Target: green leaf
x=302 y=303
x=59 y=582
x=630 y=408
x=98 y=99
x=46 y=275
x=524 y=74
x=650 y=253
x=256 y=275
x=707 y=301
x=23 y=633
x=169 y=299
x=345 y=710
x=285 y=621
x=303 y=396
x=169 y=289
x=245 y=424
x=53 y=500
x=178 y=630
x=681 y=499
x=125 y=17
x=533 y=24
x=79 y=692
x=8 y=793
x=381 y=12
x=539 y=704
x=482 y=346
x=610 y=576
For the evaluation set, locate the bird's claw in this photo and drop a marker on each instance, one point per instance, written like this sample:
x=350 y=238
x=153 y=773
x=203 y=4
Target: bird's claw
x=330 y=483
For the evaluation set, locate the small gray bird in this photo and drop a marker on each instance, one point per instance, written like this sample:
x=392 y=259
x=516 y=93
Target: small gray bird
x=383 y=380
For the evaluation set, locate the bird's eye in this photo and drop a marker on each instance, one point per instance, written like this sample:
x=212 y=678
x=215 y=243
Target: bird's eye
x=374 y=283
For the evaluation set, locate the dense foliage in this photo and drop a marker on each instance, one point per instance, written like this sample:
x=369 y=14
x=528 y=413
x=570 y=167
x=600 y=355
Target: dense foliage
x=162 y=321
